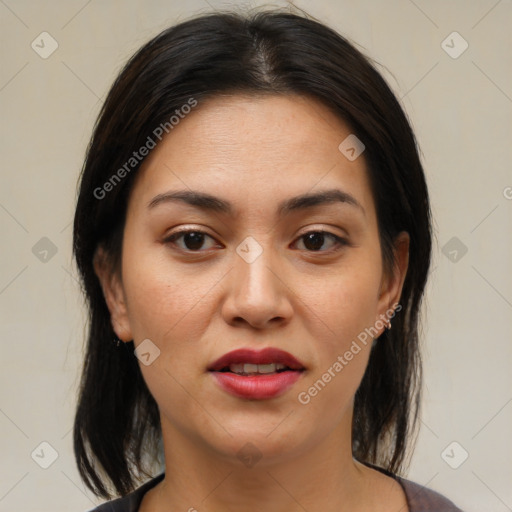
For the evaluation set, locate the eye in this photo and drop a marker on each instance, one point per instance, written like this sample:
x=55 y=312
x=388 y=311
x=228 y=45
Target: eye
x=193 y=239
x=314 y=240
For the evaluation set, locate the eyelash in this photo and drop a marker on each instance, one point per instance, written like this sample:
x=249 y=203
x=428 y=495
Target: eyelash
x=341 y=242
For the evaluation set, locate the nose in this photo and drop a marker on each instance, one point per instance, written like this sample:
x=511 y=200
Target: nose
x=258 y=293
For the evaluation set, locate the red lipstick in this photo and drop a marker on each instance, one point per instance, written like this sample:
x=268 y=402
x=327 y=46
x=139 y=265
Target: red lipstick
x=256 y=375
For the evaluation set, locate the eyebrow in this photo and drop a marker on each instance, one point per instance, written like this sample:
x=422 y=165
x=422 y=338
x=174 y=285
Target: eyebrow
x=207 y=202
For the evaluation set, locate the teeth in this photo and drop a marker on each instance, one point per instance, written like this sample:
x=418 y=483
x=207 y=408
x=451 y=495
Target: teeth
x=267 y=368
x=250 y=368
x=236 y=368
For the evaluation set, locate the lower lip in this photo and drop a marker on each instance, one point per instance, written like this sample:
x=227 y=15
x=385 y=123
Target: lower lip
x=257 y=387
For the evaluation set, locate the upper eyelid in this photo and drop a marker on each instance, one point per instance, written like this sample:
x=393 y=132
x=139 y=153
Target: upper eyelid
x=184 y=231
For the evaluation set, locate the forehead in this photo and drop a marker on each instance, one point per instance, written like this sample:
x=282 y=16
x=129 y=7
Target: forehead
x=255 y=150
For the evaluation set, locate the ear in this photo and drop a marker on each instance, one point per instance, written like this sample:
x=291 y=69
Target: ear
x=392 y=284
x=113 y=292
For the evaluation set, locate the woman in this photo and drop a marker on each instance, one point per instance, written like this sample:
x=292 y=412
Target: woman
x=253 y=234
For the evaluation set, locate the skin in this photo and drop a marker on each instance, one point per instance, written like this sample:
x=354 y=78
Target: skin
x=196 y=306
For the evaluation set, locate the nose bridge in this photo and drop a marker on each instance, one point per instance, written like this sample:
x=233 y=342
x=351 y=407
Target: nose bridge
x=257 y=293
x=252 y=266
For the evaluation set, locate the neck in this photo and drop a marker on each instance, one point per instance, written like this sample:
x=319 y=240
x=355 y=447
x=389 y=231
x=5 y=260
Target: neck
x=324 y=477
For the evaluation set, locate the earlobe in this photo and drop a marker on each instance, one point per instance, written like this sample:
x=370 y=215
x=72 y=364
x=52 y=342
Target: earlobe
x=113 y=292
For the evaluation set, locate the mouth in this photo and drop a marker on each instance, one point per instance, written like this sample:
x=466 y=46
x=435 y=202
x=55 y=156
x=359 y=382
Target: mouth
x=255 y=369
x=256 y=375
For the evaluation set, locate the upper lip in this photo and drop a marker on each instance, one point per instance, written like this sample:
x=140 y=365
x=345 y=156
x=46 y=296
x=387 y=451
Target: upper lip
x=265 y=356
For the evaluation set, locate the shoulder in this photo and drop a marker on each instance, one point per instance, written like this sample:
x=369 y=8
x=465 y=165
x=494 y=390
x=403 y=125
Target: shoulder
x=419 y=498
x=131 y=502
x=423 y=499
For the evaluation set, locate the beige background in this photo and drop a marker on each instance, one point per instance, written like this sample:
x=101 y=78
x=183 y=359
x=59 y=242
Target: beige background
x=461 y=110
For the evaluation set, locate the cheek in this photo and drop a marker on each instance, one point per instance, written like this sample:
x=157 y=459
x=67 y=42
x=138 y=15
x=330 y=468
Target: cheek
x=341 y=363
x=349 y=303
x=329 y=394
x=161 y=298
x=170 y=307
x=348 y=307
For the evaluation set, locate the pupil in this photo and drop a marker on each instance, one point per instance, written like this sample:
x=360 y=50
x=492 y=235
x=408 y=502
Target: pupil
x=316 y=240
x=193 y=240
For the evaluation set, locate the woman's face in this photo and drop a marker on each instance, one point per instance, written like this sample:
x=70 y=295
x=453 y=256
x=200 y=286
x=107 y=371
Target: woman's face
x=256 y=274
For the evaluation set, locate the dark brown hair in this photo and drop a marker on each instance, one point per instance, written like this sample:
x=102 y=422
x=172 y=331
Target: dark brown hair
x=268 y=52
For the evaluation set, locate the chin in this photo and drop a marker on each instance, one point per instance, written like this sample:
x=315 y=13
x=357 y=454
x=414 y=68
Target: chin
x=264 y=441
